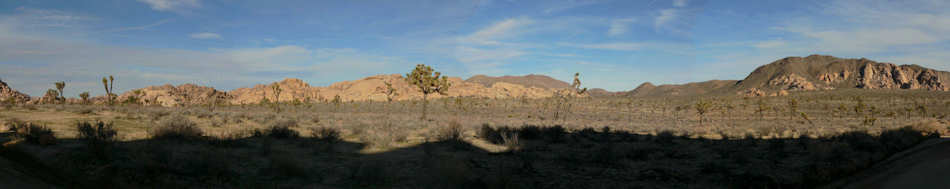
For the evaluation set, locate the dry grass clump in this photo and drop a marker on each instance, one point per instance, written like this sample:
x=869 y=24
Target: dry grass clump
x=452 y=132
x=325 y=134
x=281 y=129
x=32 y=133
x=97 y=133
x=176 y=127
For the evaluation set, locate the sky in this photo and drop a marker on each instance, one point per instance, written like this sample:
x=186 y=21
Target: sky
x=615 y=45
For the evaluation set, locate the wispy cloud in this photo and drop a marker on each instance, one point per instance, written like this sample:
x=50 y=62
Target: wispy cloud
x=171 y=5
x=769 y=44
x=619 y=26
x=205 y=35
x=607 y=46
x=499 y=30
x=679 y=3
x=142 y=27
x=567 y=5
x=877 y=26
x=665 y=17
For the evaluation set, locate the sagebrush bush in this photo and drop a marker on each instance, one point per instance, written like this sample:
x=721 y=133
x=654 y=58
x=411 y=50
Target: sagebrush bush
x=325 y=134
x=97 y=133
x=176 y=127
x=280 y=129
x=33 y=133
x=452 y=132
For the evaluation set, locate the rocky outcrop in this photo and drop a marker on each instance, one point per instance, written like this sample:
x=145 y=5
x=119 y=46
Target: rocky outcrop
x=751 y=92
x=792 y=82
x=168 y=95
x=295 y=90
x=8 y=94
x=890 y=76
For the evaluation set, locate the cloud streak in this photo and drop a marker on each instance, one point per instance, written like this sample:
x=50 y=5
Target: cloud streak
x=205 y=35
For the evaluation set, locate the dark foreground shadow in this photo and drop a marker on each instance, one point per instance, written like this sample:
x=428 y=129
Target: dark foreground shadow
x=539 y=157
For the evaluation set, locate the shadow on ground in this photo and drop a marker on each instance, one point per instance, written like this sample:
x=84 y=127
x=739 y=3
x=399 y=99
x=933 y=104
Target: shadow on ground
x=539 y=157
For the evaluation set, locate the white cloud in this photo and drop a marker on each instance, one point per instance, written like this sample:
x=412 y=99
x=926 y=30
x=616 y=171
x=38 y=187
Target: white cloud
x=26 y=58
x=466 y=54
x=876 y=26
x=171 y=5
x=205 y=35
x=666 y=17
x=769 y=44
x=499 y=30
x=607 y=46
x=679 y=3
x=619 y=26
x=142 y=27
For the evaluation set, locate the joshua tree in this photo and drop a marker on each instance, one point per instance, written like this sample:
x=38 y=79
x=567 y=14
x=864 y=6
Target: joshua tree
x=390 y=91
x=107 y=84
x=277 y=90
x=576 y=85
x=428 y=82
x=59 y=87
x=85 y=97
x=792 y=107
x=574 y=91
x=701 y=108
x=213 y=98
x=53 y=93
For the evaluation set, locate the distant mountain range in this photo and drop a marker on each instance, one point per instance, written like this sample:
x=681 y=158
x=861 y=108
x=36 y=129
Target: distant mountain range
x=815 y=72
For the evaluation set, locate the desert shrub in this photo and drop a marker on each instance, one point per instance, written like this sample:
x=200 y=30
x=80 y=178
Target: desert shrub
x=176 y=127
x=33 y=133
x=98 y=133
x=511 y=141
x=487 y=133
x=452 y=132
x=281 y=129
x=325 y=134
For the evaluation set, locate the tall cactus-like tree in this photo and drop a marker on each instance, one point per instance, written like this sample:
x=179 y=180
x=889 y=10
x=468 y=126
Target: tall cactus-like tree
x=107 y=83
x=390 y=92
x=51 y=93
x=428 y=81
x=702 y=107
x=276 y=89
x=576 y=85
x=59 y=87
x=85 y=97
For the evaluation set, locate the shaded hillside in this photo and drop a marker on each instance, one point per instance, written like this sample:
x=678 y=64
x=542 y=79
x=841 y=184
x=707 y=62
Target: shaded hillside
x=815 y=72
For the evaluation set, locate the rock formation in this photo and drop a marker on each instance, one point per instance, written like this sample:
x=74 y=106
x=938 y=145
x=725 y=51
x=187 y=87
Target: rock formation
x=367 y=89
x=168 y=95
x=7 y=94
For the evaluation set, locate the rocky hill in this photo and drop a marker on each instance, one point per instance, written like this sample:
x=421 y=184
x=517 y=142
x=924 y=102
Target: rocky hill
x=168 y=95
x=531 y=80
x=367 y=89
x=815 y=72
x=7 y=93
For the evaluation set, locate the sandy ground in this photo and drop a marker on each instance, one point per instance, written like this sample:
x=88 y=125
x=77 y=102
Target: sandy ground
x=928 y=167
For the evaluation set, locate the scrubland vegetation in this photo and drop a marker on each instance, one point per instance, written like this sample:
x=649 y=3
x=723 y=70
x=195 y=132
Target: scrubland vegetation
x=804 y=140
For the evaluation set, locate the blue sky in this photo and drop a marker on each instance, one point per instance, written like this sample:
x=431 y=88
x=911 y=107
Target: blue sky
x=615 y=45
